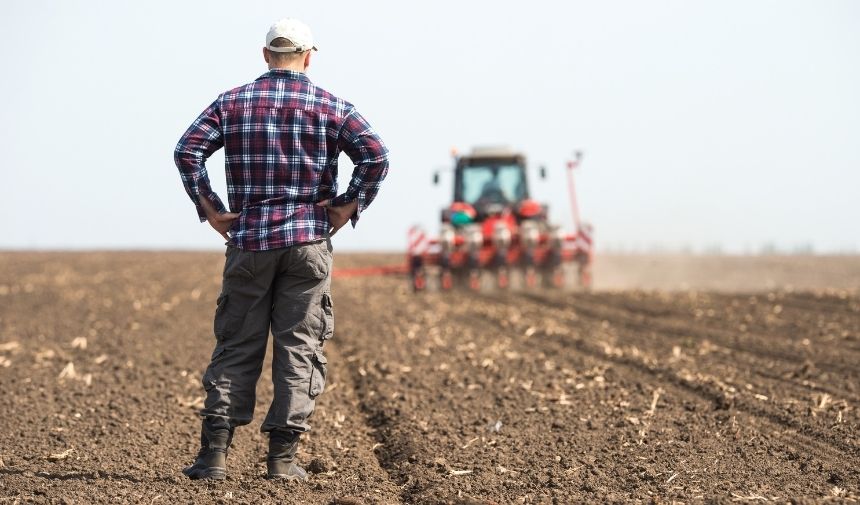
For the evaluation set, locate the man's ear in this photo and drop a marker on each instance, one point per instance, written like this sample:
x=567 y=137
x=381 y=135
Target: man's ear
x=266 y=54
x=308 y=59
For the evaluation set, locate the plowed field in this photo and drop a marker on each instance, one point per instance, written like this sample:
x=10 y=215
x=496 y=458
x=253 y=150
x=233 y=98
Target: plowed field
x=741 y=390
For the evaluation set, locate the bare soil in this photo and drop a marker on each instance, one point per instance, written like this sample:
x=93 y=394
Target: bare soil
x=677 y=379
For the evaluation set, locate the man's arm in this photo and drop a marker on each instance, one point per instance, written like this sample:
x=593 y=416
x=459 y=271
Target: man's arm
x=202 y=138
x=370 y=156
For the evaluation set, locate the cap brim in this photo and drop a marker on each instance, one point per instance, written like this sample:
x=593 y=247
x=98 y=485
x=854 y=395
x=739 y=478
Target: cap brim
x=288 y=49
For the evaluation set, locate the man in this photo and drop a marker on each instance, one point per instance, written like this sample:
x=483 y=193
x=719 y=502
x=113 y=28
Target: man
x=282 y=136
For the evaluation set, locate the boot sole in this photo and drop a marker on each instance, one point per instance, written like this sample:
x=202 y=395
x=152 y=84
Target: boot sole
x=205 y=473
x=281 y=476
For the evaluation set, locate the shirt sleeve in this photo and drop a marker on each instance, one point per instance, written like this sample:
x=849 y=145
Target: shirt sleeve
x=202 y=138
x=369 y=155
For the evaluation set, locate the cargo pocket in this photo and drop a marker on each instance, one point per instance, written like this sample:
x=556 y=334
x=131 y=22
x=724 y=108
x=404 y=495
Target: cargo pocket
x=227 y=321
x=318 y=373
x=327 y=317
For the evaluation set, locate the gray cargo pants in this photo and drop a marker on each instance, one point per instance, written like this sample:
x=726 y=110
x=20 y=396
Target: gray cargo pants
x=288 y=290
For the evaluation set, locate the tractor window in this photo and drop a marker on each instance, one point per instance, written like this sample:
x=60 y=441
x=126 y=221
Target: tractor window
x=510 y=178
x=475 y=179
x=493 y=184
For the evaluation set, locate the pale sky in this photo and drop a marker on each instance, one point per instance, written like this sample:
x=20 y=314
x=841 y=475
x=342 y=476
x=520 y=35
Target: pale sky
x=723 y=122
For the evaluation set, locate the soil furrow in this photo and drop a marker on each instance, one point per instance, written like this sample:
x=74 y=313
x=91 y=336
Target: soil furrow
x=802 y=378
x=730 y=369
x=786 y=350
x=650 y=364
x=843 y=457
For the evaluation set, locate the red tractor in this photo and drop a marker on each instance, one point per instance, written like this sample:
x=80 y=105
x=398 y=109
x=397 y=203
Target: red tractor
x=494 y=226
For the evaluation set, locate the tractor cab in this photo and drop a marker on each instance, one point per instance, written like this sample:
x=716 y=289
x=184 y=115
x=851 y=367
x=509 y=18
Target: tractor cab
x=490 y=185
x=491 y=182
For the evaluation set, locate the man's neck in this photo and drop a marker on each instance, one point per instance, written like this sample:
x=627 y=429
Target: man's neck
x=294 y=68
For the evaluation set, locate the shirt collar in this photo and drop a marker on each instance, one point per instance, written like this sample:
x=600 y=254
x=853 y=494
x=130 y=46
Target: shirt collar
x=283 y=73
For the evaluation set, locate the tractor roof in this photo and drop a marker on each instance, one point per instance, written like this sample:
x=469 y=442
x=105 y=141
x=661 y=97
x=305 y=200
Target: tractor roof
x=493 y=152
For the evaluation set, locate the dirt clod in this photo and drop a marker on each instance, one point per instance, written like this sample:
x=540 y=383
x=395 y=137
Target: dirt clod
x=320 y=465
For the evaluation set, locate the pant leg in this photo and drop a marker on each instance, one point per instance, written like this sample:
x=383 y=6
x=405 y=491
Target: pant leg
x=241 y=328
x=302 y=319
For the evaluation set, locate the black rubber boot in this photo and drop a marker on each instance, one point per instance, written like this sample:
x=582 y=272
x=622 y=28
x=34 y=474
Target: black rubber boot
x=282 y=452
x=211 y=462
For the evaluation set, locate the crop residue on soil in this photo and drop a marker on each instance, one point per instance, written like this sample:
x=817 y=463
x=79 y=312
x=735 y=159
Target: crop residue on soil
x=503 y=397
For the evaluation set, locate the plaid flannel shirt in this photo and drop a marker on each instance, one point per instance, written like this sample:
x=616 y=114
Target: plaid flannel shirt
x=282 y=136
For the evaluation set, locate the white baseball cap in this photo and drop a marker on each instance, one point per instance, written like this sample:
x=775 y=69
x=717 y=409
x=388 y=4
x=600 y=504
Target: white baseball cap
x=293 y=30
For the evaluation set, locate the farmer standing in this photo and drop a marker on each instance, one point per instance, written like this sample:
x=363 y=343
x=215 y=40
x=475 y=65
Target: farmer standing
x=282 y=136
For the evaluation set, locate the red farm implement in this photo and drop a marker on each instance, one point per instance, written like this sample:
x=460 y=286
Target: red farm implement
x=494 y=228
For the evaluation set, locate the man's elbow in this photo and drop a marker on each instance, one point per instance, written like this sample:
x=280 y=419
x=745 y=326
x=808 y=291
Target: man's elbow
x=383 y=161
x=382 y=168
x=185 y=158
x=178 y=154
